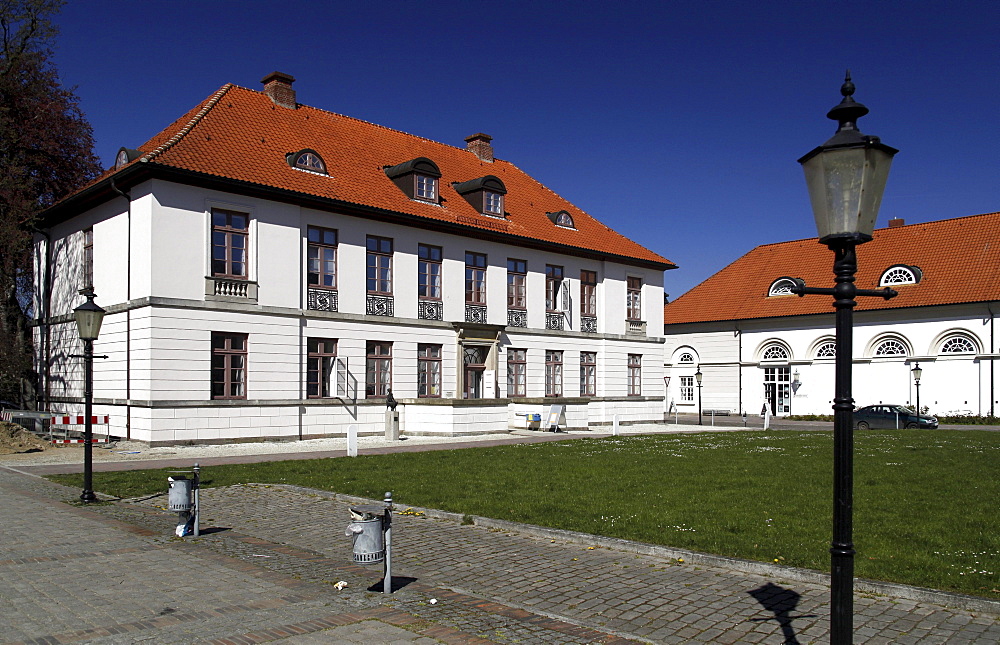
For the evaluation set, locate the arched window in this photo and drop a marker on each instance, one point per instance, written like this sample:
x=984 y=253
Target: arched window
x=900 y=274
x=561 y=218
x=827 y=350
x=307 y=160
x=958 y=344
x=774 y=353
x=890 y=347
x=781 y=287
x=686 y=357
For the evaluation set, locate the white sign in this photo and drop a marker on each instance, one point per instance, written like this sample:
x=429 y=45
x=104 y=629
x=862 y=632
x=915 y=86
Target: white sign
x=489 y=384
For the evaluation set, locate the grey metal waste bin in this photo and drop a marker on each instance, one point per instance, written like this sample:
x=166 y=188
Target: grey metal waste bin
x=179 y=498
x=366 y=531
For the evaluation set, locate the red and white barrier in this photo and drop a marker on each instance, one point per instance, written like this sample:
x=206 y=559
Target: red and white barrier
x=79 y=420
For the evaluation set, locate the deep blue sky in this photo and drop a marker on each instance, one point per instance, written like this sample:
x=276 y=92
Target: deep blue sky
x=678 y=124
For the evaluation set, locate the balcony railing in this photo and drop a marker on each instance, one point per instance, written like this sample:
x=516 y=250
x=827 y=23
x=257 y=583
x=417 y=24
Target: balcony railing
x=322 y=300
x=430 y=310
x=230 y=289
x=379 y=306
x=475 y=314
x=517 y=318
x=635 y=326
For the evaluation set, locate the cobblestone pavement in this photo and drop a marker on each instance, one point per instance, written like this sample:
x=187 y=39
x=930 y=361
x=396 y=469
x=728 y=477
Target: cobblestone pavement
x=265 y=567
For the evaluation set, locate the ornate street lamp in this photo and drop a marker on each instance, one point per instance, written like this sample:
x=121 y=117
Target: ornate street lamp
x=917 y=373
x=846 y=177
x=88 y=323
x=698 y=376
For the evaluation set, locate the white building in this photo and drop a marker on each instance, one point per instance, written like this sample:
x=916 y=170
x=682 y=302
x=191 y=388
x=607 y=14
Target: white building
x=272 y=270
x=757 y=344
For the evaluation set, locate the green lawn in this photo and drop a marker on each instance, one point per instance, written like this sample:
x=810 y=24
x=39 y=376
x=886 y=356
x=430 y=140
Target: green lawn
x=925 y=504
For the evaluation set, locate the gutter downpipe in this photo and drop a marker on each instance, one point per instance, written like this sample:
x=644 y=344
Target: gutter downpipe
x=992 y=360
x=128 y=312
x=47 y=319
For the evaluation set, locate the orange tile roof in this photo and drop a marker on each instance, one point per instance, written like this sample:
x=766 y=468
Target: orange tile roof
x=959 y=259
x=239 y=134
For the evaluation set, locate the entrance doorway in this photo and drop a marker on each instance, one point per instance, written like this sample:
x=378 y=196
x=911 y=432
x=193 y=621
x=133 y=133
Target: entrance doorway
x=778 y=389
x=474 y=366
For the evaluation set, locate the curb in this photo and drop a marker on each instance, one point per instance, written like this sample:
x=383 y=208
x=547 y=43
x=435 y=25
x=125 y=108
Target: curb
x=873 y=587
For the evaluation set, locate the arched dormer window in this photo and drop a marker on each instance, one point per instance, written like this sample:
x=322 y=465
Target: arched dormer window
x=959 y=344
x=562 y=218
x=890 y=347
x=125 y=155
x=781 y=287
x=774 y=352
x=900 y=274
x=307 y=160
x=686 y=358
x=417 y=178
x=485 y=194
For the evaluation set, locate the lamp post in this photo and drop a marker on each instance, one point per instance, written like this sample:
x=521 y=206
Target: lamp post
x=846 y=177
x=88 y=323
x=698 y=376
x=917 y=373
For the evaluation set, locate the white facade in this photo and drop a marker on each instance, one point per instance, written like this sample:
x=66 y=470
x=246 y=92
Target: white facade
x=152 y=272
x=954 y=344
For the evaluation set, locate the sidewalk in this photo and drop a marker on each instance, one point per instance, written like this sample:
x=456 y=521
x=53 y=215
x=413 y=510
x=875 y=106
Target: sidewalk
x=264 y=570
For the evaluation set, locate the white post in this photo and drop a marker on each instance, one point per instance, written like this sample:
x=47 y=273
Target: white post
x=614 y=426
x=767 y=417
x=352 y=440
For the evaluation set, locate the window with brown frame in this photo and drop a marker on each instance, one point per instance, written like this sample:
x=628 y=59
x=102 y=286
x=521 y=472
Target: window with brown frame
x=429 y=272
x=426 y=188
x=517 y=277
x=553 y=280
x=634 y=374
x=379 y=265
x=229 y=365
x=322 y=257
x=428 y=371
x=229 y=244
x=87 y=278
x=634 y=298
x=475 y=278
x=553 y=373
x=517 y=371
x=378 y=370
x=588 y=373
x=321 y=355
x=588 y=293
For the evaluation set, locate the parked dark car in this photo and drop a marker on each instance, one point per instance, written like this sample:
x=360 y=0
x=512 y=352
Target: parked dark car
x=891 y=416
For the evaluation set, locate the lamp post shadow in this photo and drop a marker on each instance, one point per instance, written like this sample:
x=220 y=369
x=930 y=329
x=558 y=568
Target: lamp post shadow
x=781 y=602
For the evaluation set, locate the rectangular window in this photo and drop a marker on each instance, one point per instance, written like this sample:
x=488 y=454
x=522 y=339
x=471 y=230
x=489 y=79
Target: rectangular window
x=378 y=370
x=87 y=278
x=229 y=364
x=429 y=272
x=427 y=188
x=553 y=280
x=588 y=293
x=634 y=374
x=320 y=367
x=553 y=373
x=475 y=278
x=321 y=257
x=428 y=371
x=517 y=371
x=588 y=373
x=634 y=299
x=687 y=389
x=229 y=243
x=379 y=265
x=517 y=276
x=492 y=203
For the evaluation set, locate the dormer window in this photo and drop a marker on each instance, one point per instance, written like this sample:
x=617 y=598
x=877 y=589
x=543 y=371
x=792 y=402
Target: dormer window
x=781 y=287
x=427 y=188
x=125 y=155
x=308 y=160
x=485 y=194
x=900 y=274
x=417 y=178
x=562 y=218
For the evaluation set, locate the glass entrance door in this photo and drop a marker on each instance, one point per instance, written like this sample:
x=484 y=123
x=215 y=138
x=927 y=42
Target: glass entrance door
x=474 y=366
x=777 y=389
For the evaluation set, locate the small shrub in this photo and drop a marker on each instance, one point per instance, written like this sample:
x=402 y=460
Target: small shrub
x=467 y=520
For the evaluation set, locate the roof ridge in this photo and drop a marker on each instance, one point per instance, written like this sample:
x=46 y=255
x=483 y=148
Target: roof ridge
x=215 y=98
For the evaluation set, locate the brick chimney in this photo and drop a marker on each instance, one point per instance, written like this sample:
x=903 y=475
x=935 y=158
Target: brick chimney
x=479 y=145
x=896 y=222
x=278 y=88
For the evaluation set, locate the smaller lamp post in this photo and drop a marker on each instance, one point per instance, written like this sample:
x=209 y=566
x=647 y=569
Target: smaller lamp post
x=89 y=316
x=917 y=373
x=698 y=376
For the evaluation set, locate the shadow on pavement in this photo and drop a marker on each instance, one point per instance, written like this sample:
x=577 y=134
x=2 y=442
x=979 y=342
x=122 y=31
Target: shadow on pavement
x=781 y=602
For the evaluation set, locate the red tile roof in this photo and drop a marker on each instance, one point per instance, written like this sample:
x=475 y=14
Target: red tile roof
x=959 y=259
x=239 y=134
